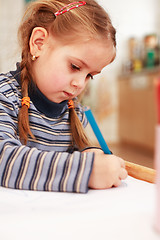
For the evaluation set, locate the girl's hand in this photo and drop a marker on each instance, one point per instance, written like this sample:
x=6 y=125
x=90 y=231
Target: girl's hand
x=108 y=171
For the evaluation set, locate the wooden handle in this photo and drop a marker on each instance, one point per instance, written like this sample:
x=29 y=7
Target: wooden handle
x=140 y=172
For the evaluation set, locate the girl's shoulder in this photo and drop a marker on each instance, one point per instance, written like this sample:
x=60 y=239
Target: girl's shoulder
x=9 y=84
x=10 y=92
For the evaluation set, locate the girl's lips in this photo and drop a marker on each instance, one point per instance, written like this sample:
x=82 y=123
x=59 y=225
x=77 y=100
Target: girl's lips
x=68 y=94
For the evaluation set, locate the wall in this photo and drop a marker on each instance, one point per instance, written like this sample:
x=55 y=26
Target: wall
x=10 y=15
x=130 y=18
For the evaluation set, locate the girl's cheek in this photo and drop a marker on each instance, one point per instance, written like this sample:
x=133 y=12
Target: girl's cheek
x=60 y=80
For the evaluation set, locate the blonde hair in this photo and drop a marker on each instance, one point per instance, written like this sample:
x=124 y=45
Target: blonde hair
x=89 y=21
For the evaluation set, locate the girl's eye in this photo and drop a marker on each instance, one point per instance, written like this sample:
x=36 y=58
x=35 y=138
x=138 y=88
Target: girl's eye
x=90 y=76
x=75 y=67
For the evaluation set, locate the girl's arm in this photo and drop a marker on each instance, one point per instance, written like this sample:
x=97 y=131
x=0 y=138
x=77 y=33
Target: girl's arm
x=27 y=168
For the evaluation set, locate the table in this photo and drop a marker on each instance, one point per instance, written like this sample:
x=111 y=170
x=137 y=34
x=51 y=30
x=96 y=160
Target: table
x=126 y=213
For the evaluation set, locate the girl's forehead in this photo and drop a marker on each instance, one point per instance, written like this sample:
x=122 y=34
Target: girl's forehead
x=88 y=50
x=94 y=54
x=85 y=43
x=95 y=47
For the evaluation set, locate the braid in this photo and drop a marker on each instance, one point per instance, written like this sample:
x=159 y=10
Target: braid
x=23 y=118
x=79 y=137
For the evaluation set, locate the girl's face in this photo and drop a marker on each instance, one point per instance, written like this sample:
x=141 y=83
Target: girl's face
x=61 y=72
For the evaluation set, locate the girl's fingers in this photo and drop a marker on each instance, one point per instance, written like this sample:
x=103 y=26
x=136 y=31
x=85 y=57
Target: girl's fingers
x=123 y=173
x=122 y=163
x=117 y=183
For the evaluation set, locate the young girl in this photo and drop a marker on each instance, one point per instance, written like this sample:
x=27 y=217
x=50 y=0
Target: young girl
x=42 y=142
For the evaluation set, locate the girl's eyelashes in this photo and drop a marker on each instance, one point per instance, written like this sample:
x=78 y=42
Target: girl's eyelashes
x=76 y=67
x=90 y=76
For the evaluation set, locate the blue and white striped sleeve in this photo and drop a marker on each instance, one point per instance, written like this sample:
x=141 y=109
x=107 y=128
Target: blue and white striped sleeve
x=27 y=168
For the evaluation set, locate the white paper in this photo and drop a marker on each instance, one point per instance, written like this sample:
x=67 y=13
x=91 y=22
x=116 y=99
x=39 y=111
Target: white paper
x=126 y=213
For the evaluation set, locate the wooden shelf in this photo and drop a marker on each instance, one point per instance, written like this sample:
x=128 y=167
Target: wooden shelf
x=137 y=109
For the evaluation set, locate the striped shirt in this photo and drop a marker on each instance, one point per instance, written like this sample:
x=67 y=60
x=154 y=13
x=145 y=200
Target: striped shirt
x=46 y=163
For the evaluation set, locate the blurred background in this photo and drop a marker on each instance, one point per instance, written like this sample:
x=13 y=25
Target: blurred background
x=122 y=98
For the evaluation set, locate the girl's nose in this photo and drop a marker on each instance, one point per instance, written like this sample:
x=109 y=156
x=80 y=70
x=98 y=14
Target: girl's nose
x=78 y=82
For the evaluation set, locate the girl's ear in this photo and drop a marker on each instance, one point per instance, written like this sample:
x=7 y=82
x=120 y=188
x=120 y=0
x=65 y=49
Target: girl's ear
x=37 y=40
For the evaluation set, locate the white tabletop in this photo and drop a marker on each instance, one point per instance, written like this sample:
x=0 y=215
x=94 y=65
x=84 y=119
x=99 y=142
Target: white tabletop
x=126 y=213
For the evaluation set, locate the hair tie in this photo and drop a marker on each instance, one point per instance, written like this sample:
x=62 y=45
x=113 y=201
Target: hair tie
x=70 y=104
x=25 y=101
x=69 y=7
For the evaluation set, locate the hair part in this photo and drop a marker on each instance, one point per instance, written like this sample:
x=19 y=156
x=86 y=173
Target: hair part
x=85 y=22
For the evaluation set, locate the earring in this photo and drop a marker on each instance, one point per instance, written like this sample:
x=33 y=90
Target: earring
x=33 y=58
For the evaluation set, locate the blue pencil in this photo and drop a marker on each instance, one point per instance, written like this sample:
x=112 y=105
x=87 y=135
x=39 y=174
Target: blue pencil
x=97 y=131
